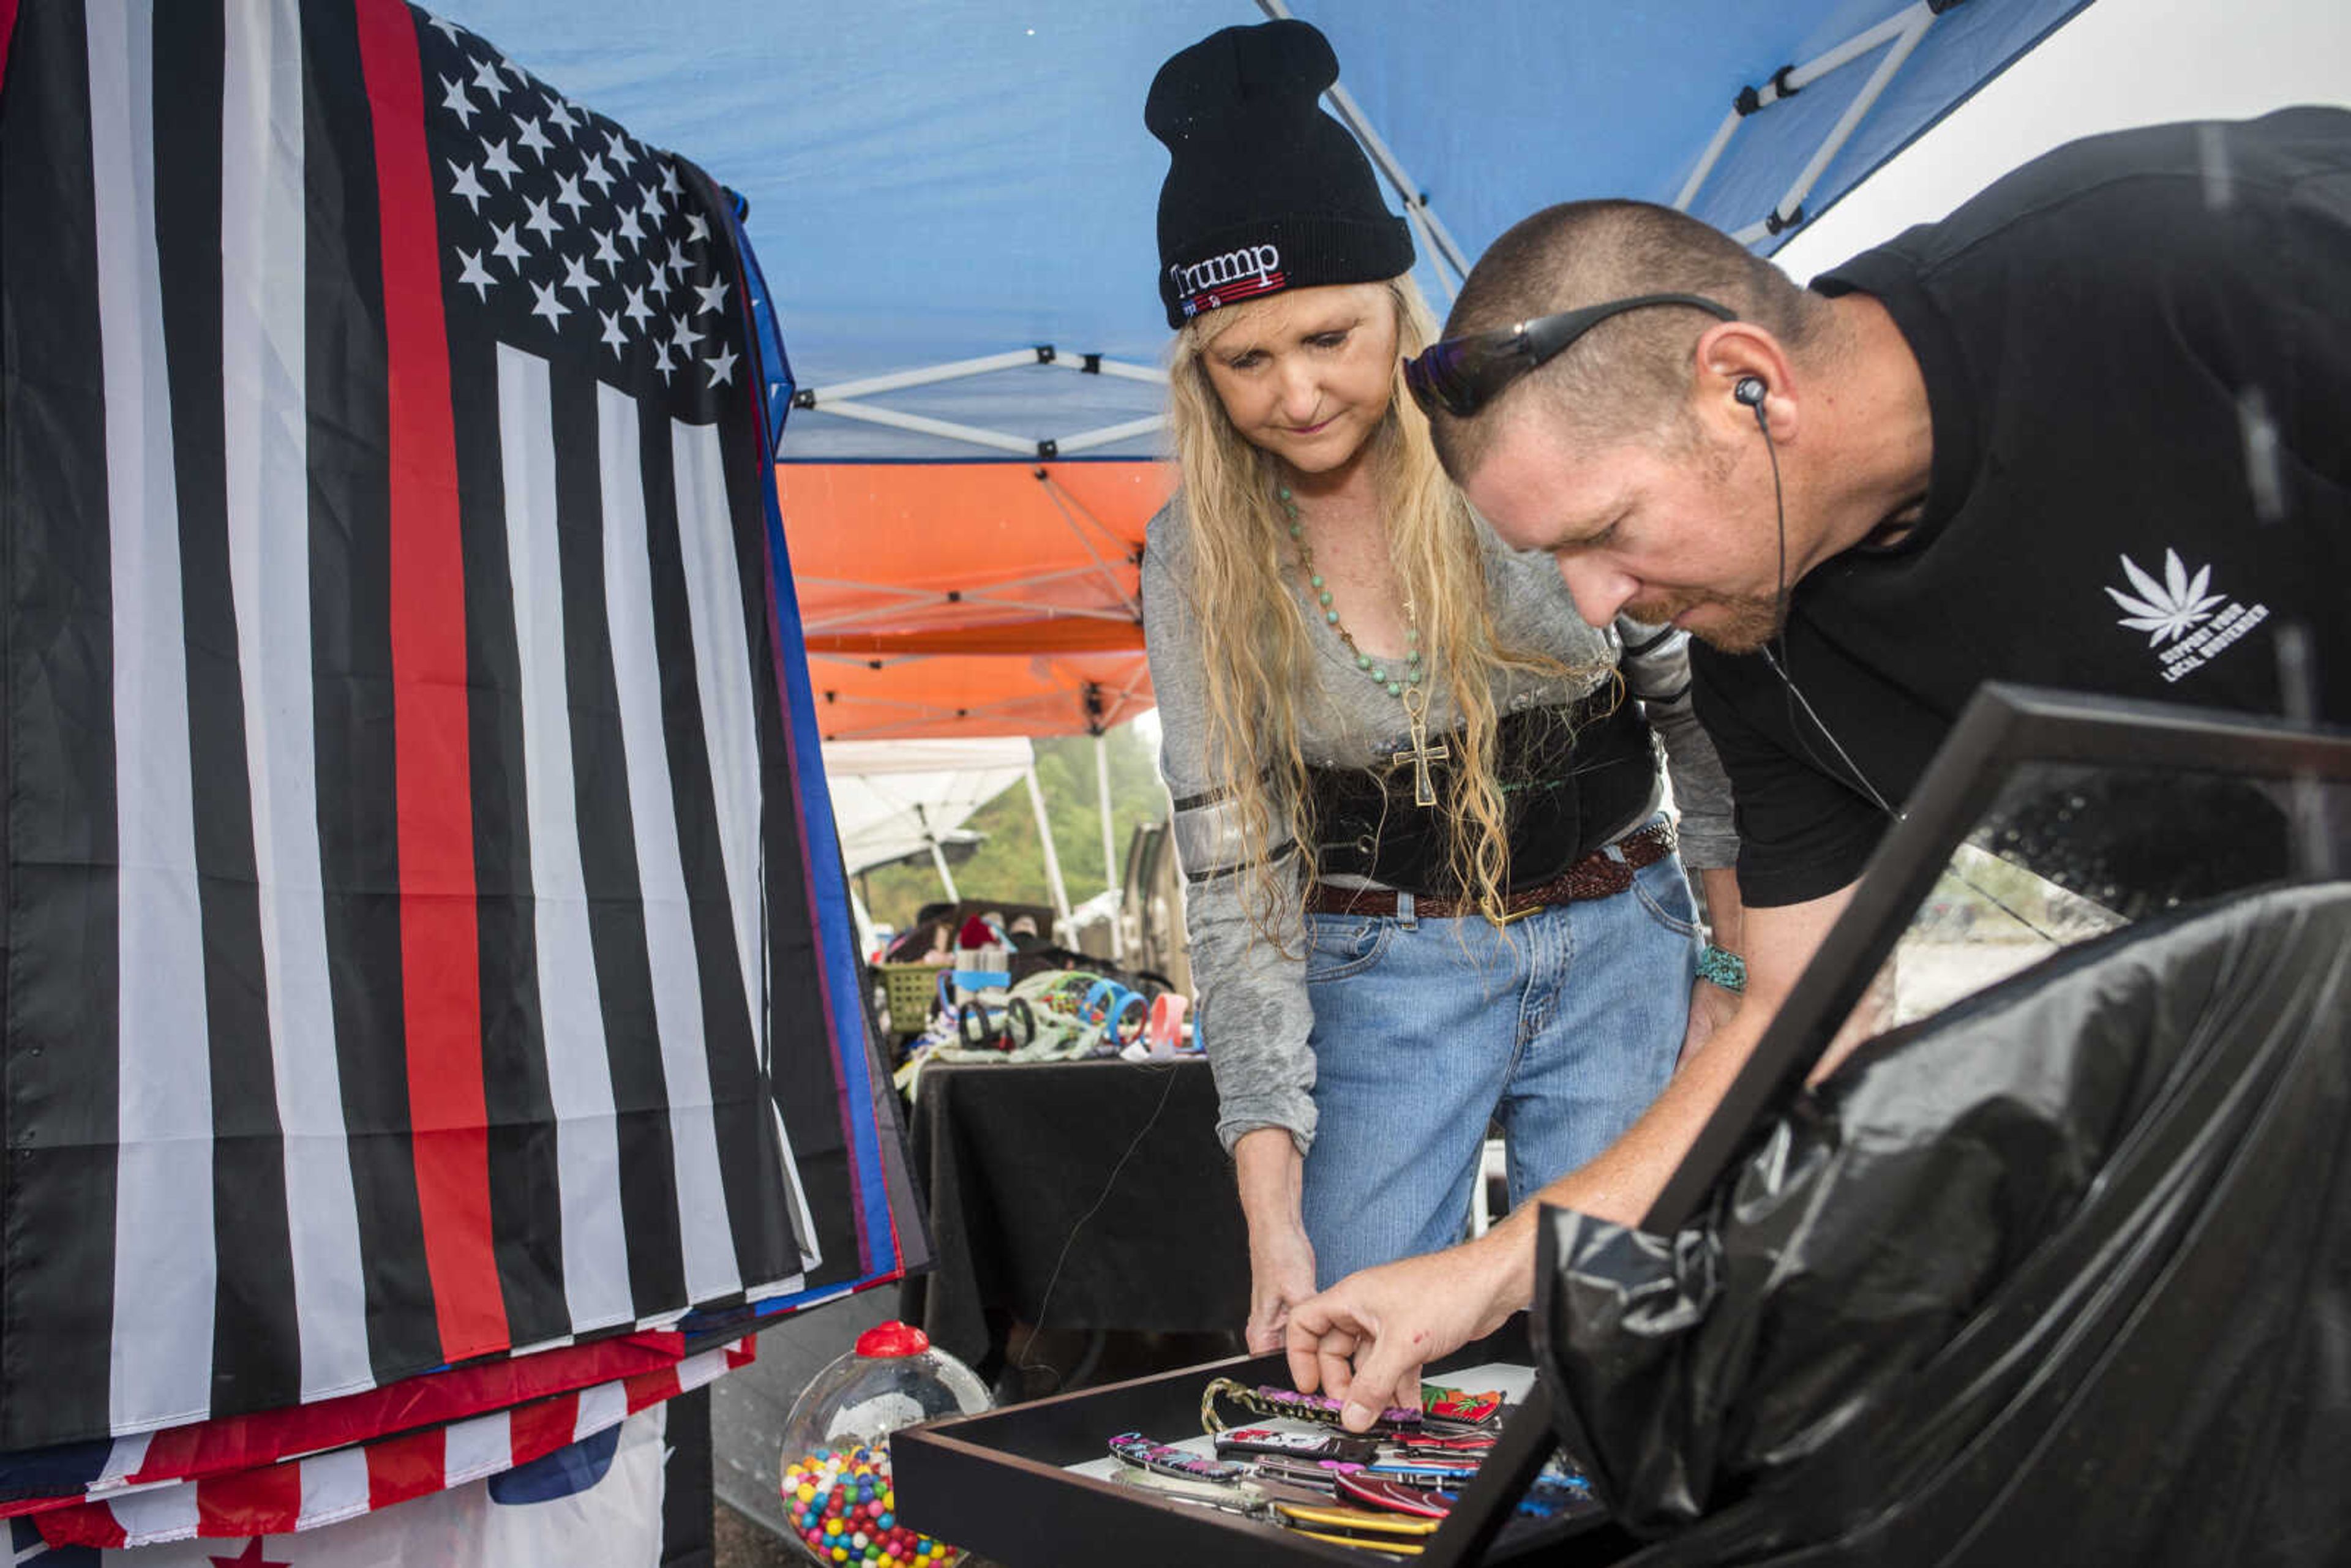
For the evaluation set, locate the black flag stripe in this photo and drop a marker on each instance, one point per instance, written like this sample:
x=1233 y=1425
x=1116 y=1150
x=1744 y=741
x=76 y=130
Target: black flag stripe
x=609 y=868
x=63 y=1084
x=256 y=1344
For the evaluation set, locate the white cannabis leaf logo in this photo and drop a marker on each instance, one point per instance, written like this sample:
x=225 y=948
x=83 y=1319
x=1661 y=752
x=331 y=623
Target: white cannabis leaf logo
x=2170 y=608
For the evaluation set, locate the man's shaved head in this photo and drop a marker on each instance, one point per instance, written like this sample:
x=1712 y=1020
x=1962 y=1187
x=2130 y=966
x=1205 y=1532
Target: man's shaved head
x=1628 y=378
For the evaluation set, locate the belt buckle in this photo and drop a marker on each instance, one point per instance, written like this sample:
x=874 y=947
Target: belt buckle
x=1513 y=916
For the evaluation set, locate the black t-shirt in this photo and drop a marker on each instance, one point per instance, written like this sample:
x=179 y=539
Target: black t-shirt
x=2137 y=351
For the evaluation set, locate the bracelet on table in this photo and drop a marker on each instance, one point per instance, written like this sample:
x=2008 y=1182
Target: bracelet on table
x=1722 y=967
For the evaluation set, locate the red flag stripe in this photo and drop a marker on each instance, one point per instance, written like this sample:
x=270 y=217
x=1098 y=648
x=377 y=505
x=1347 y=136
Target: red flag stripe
x=440 y=959
x=7 y=32
x=257 y=1502
x=403 y=1468
x=543 y=1427
x=650 y=1388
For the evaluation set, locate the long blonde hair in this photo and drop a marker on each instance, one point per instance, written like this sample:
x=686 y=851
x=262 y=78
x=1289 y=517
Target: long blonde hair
x=1254 y=638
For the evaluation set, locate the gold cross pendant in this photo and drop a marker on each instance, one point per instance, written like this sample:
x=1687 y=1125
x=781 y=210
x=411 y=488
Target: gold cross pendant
x=1420 y=754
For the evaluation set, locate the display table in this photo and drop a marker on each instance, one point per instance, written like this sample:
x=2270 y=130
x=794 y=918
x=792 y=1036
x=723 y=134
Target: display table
x=1019 y=1161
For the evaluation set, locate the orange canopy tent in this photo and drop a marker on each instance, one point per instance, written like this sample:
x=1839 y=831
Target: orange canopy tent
x=971 y=599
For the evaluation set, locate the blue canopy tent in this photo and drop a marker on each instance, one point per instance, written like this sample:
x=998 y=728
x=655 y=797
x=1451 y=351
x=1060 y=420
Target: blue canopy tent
x=954 y=201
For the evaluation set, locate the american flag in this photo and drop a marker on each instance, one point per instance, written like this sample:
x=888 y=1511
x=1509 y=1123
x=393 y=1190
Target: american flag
x=408 y=912
x=323 y=1489
x=38 y=1480
x=622 y=1496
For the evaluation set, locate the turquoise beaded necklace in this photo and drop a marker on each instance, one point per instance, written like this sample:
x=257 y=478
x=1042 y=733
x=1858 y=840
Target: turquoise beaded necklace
x=1404 y=686
x=1408 y=676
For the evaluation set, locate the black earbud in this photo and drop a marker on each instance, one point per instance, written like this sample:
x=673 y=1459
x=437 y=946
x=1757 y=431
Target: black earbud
x=1749 y=393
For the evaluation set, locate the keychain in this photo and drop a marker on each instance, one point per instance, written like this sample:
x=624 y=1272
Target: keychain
x=1375 y=1492
x=1298 y=1445
x=1363 y=1529
x=1137 y=1449
x=1432 y=1445
x=1454 y=1406
x=1321 y=1475
x=1269 y=1401
x=1427 y=1475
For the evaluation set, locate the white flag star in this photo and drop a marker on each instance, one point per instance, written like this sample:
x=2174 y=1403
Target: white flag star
x=714 y=295
x=631 y=230
x=567 y=191
x=558 y=116
x=636 y=310
x=596 y=175
x=541 y=222
x=486 y=77
x=575 y=276
x=449 y=29
x=496 y=160
x=467 y=186
x=669 y=180
x=684 y=335
x=675 y=261
x=606 y=257
x=508 y=249
x=721 y=366
x=528 y=134
x=696 y=229
x=548 y=305
x=458 y=103
x=660 y=360
x=476 y=275
x=657 y=283
x=617 y=145
x=612 y=338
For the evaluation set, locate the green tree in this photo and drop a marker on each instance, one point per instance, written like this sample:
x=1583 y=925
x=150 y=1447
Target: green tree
x=1009 y=864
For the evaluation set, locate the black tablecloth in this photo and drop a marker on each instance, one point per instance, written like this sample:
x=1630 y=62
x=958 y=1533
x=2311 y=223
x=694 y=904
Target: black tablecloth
x=1020 y=1161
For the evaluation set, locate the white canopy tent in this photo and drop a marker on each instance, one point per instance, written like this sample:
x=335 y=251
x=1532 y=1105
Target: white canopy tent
x=893 y=798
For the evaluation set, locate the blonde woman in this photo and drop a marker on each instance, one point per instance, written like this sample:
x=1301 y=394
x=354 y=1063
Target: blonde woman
x=1428 y=885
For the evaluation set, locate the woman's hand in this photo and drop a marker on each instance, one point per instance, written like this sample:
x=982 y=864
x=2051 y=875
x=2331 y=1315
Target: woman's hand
x=1281 y=1275
x=1269 y=1169
x=1710 y=1008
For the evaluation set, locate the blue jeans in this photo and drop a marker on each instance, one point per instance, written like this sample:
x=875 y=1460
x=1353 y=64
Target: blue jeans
x=1562 y=1028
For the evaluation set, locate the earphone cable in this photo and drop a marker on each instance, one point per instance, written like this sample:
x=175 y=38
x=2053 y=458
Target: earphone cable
x=1782 y=666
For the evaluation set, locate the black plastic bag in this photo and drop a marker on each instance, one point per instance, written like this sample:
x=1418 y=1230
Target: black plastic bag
x=2062 y=1275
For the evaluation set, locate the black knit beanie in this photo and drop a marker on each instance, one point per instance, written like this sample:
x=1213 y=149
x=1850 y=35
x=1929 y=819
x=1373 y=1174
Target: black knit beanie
x=1264 y=191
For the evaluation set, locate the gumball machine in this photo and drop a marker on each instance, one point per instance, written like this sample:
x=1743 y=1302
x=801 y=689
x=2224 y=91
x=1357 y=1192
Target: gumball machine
x=837 y=1490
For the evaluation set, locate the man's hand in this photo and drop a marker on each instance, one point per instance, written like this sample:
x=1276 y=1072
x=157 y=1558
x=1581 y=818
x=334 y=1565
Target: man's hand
x=1365 y=1340
x=1281 y=1275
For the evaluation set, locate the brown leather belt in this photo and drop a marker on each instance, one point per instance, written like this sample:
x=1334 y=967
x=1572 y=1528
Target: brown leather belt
x=1599 y=874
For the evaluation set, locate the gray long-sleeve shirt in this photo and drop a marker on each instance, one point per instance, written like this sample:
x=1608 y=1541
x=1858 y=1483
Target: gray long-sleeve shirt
x=1254 y=1011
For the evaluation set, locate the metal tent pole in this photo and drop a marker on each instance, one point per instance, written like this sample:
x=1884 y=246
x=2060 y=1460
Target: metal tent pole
x=938 y=856
x=1052 y=854
x=1110 y=850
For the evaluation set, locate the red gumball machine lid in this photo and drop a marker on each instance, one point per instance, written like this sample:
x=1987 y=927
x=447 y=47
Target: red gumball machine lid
x=884 y=1340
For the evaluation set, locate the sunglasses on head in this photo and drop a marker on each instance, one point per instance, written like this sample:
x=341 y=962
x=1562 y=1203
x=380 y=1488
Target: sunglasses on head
x=1459 y=376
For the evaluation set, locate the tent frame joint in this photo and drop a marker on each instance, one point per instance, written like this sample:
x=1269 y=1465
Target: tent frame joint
x=1751 y=101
